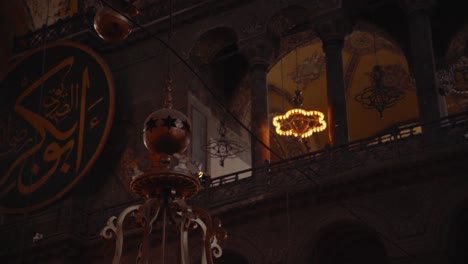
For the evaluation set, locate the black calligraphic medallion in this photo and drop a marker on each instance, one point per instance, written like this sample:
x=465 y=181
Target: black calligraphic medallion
x=56 y=110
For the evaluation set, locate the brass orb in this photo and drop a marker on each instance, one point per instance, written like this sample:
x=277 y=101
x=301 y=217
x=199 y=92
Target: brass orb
x=166 y=131
x=111 y=26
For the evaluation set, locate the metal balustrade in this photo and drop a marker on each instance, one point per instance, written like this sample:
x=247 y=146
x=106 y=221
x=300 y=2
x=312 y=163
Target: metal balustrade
x=306 y=171
x=316 y=167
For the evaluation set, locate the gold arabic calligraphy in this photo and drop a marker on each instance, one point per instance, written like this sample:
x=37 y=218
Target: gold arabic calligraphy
x=55 y=152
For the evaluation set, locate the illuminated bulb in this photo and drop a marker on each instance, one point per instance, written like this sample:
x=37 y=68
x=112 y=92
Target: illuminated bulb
x=293 y=115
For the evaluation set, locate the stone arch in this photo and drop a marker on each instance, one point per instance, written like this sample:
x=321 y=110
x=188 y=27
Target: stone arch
x=210 y=43
x=366 y=46
x=307 y=233
x=217 y=54
x=288 y=20
x=348 y=242
x=455 y=61
x=239 y=246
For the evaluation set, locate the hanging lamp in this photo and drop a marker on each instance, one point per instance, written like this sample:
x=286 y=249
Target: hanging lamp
x=167 y=186
x=114 y=26
x=298 y=122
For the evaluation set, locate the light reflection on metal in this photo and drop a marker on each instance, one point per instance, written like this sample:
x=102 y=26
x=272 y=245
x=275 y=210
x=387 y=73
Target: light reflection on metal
x=379 y=96
x=298 y=122
x=166 y=186
x=114 y=26
x=222 y=147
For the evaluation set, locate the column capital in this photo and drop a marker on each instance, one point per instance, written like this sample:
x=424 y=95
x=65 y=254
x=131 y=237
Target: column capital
x=333 y=28
x=260 y=51
x=411 y=6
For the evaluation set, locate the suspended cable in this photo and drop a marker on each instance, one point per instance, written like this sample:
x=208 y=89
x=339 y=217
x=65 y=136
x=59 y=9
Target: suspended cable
x=227 y=111
x=202 y=81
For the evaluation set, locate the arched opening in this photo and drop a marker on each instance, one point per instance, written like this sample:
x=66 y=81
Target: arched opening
x=229 y=68
x=350 y=244
x=217 y=54
x=303 y=67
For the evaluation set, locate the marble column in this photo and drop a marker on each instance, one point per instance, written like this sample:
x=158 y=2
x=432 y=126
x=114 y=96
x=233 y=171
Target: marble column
x=332 y=32
x=423 y=63
x=259 y=52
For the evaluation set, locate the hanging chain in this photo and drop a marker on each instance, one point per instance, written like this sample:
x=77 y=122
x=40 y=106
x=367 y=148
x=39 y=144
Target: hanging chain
x=168 y=89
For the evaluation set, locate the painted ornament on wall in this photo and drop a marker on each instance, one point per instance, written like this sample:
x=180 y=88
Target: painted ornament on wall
x=388 y=85
x=309 y=70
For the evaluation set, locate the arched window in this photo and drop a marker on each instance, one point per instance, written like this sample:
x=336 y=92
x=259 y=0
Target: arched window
x=350 y=244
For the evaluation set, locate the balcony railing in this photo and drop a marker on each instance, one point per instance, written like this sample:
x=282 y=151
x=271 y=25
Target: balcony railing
x=318 y=167
x=314 y=169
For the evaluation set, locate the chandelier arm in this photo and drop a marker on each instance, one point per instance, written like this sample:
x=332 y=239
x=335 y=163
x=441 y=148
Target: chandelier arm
x=139 y=256
x=206 y=251
x=155 y=217
x=163 y=255
x=202 y=81
x=145 y=218
x=184 y=250
x=144 y=258
x=114 y=228
x=214 y=234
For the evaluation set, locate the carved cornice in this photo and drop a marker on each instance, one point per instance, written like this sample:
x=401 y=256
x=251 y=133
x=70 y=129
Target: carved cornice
x=153 y=16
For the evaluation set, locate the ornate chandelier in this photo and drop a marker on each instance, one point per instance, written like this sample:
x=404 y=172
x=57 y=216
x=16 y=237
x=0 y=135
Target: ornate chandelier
x=166 y=187
x=169 y=182
x=298 y=122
